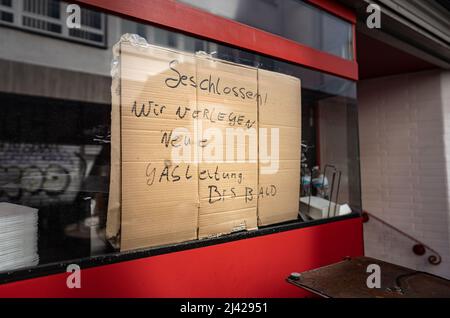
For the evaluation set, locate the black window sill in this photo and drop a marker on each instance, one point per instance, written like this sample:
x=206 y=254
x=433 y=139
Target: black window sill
x=116 y=257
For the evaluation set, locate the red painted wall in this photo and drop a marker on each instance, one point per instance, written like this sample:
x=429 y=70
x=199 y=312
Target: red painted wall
x=254 y=267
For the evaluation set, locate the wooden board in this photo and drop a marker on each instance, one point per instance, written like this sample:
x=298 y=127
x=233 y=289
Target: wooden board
x=348 y=279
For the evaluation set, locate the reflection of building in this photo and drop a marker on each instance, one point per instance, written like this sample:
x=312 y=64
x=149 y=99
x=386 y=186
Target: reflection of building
x=288 y=19
x=55 y=105
x=50 y=54
x=49 y=17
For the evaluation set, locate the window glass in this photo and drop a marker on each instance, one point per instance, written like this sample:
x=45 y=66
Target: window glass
x=49 y=17
x=292 y=19
x=55 y=128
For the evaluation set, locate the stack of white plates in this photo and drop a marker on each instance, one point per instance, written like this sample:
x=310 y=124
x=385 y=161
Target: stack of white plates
x=18 y=236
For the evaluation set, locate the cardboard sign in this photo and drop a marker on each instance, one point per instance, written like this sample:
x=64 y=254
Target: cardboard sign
x=228 y=200
x=186 y=158
x=159 y=198
x=279 y=178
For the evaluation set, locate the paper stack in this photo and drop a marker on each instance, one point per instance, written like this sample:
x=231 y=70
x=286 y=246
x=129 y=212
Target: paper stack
x=18 y=236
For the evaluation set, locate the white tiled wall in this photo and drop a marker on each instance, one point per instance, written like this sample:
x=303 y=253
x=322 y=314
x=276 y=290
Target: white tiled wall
x=405 y=165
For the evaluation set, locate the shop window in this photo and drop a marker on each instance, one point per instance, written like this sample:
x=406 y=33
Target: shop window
x=55 y=136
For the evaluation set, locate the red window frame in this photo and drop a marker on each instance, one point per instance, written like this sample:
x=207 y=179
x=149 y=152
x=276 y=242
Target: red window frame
x=336 y=9
x=184 y=18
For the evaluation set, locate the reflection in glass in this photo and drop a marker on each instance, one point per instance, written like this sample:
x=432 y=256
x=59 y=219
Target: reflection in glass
x=291 y=19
